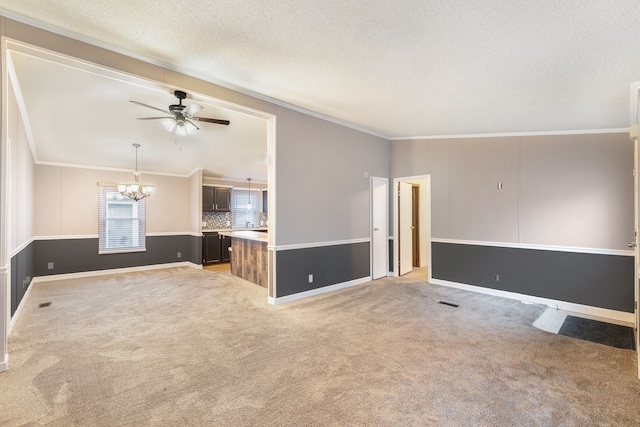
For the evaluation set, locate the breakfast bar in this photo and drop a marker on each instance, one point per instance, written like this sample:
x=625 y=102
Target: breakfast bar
x=249 y=259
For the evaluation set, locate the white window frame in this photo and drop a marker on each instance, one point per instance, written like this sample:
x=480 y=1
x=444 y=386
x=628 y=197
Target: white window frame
x=109 y=195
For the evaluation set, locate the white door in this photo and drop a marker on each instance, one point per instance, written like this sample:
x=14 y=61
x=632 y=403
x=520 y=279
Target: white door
x=379 y=227
x=405 y=227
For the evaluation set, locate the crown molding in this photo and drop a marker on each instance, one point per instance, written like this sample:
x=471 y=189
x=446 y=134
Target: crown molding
x=507 y=134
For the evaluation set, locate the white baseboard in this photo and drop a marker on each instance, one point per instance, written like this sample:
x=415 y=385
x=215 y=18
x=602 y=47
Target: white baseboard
x=318 y=291
x=5 y=363
x=94 y=273
x=23 y=302
x=604 y=313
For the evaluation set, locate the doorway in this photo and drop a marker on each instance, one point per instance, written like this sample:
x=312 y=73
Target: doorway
x=412 y=226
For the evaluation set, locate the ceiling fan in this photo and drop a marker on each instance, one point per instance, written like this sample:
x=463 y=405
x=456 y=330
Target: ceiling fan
x=180 y=117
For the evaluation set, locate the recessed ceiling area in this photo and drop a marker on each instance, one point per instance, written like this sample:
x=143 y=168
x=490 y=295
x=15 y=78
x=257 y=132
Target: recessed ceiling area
x=397 y=69
x=81 y=116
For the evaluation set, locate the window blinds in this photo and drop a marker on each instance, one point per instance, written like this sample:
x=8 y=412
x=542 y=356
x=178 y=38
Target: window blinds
x=239 y=212
x=121 y=222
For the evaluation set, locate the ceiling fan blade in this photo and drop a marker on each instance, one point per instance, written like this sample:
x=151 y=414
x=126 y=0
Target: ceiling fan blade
x=192 y=109
x=193 y=124
x=154 y=118
x=217 y=121
x=149 y=106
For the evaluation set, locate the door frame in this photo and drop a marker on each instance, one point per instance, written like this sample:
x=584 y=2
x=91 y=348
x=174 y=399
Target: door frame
x=385 y=182
x=634 y=111
x=425 y=243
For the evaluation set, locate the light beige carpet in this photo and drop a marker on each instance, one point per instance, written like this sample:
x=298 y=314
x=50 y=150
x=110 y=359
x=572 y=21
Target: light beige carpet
x=183 y=347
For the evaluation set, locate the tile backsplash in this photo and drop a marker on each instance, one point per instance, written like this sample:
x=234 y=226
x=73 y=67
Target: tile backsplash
x=219 y=220
x=216 y=220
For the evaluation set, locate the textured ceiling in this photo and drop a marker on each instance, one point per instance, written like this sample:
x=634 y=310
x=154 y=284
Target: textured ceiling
x=400 y=69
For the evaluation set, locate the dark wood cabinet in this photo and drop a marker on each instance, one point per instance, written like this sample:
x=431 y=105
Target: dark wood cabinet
x=215 y=248
x=208 y=199
x=216 y=199
x=265 y=202
x=225 y=243
x=211 y=248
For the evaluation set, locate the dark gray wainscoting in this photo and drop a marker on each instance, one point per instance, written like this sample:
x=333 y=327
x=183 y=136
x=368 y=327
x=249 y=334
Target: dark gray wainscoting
x=21 y=275
x=391 y=266
x=329 y=265
x=81 y=255
x=604 y=281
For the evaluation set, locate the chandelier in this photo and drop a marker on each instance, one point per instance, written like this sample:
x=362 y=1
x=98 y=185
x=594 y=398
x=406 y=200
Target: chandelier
x=136 y=191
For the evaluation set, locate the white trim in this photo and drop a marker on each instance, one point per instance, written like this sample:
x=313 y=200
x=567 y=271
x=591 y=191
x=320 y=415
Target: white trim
x=318 y=291
x=634 y=99
x=604 y=313
x=95 y=273
x=104 y=168
x=5 y=364
x=66 y=237
x=217 y=185
x=209 y=184
x=95 y=236
x=18 y=311
x=13 y=78
x=173 y=233
x=507 y=134
x=597 y=251
x=17 y=250
x=4 y=270
x=318 y=244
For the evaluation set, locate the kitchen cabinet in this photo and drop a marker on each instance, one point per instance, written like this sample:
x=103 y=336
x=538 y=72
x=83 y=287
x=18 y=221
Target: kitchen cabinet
x=210 y=248
x=265 y=202
x=215 y=248
x=225 y=244
x=216 y=199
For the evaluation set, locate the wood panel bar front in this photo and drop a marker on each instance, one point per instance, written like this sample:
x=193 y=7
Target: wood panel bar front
x=249 y=260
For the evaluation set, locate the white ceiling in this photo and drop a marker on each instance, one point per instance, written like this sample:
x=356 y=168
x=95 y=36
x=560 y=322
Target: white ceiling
x=80 y=114
x=398 y=69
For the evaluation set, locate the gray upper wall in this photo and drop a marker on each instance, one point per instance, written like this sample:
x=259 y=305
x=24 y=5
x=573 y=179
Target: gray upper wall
x=322 y=178
x=567 y=190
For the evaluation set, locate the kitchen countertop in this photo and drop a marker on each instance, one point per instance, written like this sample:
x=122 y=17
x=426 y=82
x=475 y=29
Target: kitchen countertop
x=256 y=236
x=217 y=230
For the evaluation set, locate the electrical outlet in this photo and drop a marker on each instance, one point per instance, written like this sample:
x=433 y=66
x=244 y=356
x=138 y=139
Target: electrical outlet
x=497 y=277
x=179 y=254
x=311 y=278
x=50 y=266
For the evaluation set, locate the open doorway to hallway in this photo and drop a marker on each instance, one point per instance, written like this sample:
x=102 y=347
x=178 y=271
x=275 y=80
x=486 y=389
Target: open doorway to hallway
x=412 y=227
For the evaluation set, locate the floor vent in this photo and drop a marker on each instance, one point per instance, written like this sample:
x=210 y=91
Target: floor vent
x=450 y=304
x=44 y=304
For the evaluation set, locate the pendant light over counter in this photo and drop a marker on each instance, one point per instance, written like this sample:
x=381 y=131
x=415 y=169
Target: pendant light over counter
x=249 y=207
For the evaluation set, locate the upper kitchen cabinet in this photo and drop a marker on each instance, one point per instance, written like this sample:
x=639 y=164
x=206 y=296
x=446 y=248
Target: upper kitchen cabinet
x=216 y=199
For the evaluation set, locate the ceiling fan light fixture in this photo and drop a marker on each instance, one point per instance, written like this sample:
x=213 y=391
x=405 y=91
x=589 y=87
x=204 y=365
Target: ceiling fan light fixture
x=169 y=124
x=180 y=117
x=180 y=129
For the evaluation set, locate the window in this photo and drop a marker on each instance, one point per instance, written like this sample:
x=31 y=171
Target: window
x=121 y=222
x=239 y=211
